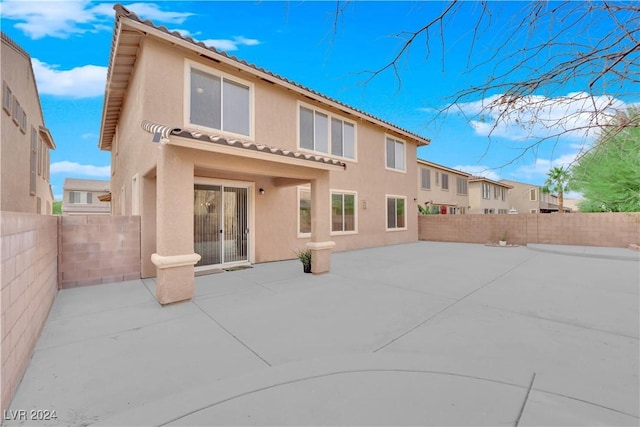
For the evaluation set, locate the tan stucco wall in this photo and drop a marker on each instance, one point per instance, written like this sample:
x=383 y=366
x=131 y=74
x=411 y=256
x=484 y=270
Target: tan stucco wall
x=15 y=148
x=436 y=195
x=478 y=204
x=157 y=94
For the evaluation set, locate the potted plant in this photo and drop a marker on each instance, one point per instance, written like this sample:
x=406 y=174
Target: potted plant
x=503 y=239
x=304 y=255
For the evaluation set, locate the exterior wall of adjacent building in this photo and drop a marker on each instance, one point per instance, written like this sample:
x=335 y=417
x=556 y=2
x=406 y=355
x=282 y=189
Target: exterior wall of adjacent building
x=494 y=204
x=81 y=197
x=275 y=123
x=431 y=192
x=18 y=193
x=528 y=198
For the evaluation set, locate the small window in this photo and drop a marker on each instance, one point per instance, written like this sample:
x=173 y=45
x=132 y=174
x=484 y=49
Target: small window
x=80 y=197
x=533 y=211
x=40 y=156
x=426 y=179
x=396 y=213
x=533 y=195
x=38 y=205
x=23 y=121
x=504 y=194
x=33 y=161
x=395 y=154
x=7 y=98
x=486 y=191
x=304 y=212
x=343 y=212
x=17 y=109
x=437 y=178
x=445 y=181
x=461 y=185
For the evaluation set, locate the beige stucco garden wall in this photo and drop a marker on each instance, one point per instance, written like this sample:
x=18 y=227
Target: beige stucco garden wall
x=28 y=288
x=584 y=229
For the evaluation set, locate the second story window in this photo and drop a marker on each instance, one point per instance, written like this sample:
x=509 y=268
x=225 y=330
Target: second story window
x=445 y=181
x=533 y=195
x=80 y=197
x=486 y=191
x=461 y=184
x=426 y=179
x=324 y=133
x=395 y=154
x=218 y=102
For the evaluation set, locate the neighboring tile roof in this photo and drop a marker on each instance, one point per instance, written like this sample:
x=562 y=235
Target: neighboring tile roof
x=72 y=184
x=482 y=178
x=437 y=165
x=122 y=12
x=167 y=131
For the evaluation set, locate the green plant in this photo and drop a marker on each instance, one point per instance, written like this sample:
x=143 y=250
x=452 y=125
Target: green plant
x=304 y=255
x=504 y=236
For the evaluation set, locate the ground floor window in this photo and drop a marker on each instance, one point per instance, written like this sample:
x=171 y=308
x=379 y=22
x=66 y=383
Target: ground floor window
x=396 y=213
x=304 y=212
x=343 y=212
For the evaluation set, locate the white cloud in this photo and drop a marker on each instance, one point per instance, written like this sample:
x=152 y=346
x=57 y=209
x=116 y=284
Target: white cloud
x=78 y=169
x=576 y=115
x=81 y=82
x=540 y=167
x=230 y=44
x=38 y=19
x=479 y=170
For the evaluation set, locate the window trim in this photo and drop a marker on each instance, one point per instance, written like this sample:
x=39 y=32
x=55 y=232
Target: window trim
x=355 y=212
x=386 y=212
x=444 y=177
x=533 y=192
x=330 y=117
x=301 y=188
x=7 y=95
x=404 y=153
x=188 y=66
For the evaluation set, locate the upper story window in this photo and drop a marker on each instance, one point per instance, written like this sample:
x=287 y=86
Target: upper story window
x=322 y=132
x=533 y=195
x=395 y=150
x=461 y=185
x=486 y=191
x=425 y=178
x=445 y=181
x=80 y=197
x=7 y=98
x=219 y=102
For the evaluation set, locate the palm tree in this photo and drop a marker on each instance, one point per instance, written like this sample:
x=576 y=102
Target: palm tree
x=557 y=182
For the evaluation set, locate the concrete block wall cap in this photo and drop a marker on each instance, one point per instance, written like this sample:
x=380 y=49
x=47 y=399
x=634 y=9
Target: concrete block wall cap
x=321 y=245
x=171 y=261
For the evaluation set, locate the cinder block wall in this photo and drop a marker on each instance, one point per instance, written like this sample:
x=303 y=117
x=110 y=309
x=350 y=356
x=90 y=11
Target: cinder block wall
x=28 y=288
x=98 y=249
x=585 y=229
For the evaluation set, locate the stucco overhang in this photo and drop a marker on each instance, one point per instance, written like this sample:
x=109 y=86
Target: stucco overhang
x=129 y=30
x=217 y=143
x=46 y=136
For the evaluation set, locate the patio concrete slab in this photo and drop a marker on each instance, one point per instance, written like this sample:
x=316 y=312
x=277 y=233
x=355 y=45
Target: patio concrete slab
x=423 y=333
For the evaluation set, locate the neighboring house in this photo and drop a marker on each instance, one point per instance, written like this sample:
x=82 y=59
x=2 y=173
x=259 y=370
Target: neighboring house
x=528 y=198
x=24 y=140
x=487 y=196
x=83 y=197
x=228 y=164
x=443 y=189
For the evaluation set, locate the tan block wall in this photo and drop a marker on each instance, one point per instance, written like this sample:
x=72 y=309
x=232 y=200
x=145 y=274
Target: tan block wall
x=585 y=229
x=26 y=293
x=98 y=249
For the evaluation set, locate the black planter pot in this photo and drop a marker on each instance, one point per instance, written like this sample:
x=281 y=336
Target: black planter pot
x=306 y=268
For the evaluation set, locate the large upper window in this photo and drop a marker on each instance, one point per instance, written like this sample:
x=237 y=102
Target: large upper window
x=7 y=98
x=461 y=185
x=80 y=197
x=445 y=181
x=396 y=213
x=343 y=212
x=426 y=178
x=395 y=154
x=326 y=134
x=486 y=191
x=218 y=102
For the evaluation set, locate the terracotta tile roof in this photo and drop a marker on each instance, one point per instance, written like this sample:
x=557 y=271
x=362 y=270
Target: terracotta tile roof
x=167 y=131
x=131 y=43
x=482 y=178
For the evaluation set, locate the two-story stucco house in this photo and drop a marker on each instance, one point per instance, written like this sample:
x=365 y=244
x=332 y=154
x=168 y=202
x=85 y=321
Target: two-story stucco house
x=24 y=139
x=528 y=198
x=229 y=164
x=443 y=189
x=84 y=197
x=487 y=196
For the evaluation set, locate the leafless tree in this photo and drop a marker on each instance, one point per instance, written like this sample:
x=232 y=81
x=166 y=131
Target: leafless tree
x=554 y=45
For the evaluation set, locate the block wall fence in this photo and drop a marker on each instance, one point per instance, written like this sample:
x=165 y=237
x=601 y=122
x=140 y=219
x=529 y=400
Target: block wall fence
x=41 y=254
x=612 y=229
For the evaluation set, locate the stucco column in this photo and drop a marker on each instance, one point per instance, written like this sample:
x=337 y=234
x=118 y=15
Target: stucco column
x=174 y=258
x=320 y=243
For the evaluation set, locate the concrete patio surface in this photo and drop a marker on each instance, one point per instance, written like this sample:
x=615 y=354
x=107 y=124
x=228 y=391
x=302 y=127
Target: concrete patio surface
x=415 y=334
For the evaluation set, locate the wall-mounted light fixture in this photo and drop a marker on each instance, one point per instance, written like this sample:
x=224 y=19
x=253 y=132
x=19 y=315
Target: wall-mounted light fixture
x=261 y=191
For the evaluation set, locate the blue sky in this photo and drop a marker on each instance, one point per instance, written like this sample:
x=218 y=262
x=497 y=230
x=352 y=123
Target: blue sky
x=70 y=41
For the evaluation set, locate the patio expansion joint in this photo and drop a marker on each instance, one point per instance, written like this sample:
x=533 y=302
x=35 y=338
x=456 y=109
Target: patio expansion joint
x=231 y=334
x=413 y=328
